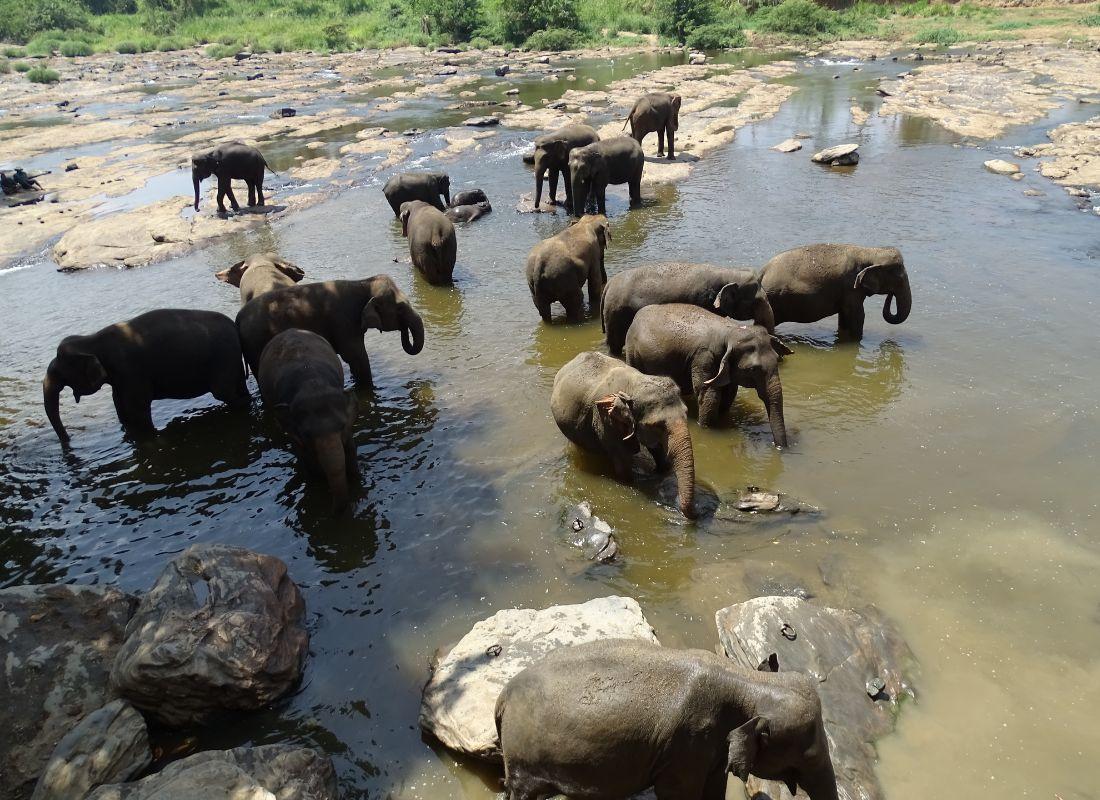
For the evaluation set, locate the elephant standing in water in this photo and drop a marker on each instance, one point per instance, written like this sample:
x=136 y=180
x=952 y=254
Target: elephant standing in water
x=606 y=719
x=604 y=406
x=425 y=186
x=552 y=156
x=302 y=383
x=734 y=293
x=594 y=166
x=558 y=267
x=709 y=356
x=229 y=162
x=433 y=244
x=260 y=273
x=160 y=355
x=809 y=283
x=656 y=112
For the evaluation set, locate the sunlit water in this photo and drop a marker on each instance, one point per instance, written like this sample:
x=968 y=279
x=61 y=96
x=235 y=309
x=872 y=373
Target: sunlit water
x=951 y=457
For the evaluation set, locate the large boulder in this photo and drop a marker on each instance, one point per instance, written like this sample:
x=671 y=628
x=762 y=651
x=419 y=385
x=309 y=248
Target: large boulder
x=221 y=630
x=843 y=155
x=460 y=699
x=246 y=773
x=862 y=666
x=108 y=746
x=57 y=644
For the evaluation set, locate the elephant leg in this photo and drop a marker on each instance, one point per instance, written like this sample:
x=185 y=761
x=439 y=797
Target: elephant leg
x=554 y=187
x=574 y=305
x=678 y=783
x=568 y=191
x=596 y=279
x=636 y=189
x=671 y=143
x=351 y=463
x=354 y=353
x=135 y=411
x=222 y=188
x=660 y=141
x=225 y=189
x=729 y=394
x=709 y=398
x=660 y=457
x=715 y=788
x=260 y=191
x=543 y=303
x=251 y=193
x=230 y=387
x=850 y=321
x=601 y=199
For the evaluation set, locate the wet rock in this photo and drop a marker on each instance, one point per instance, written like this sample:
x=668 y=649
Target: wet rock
x=242 y=56
x=458 y=704
x=842 y=155
x=249 y=773
x=788 y=146
x=283 y=113
x=221 y=630
x=481 y=122
x=859 y=116
x=848 y=653
x=1001 y=167
x=254 y=77
x=502 y=70
x=590 y=533
x=1076 y=191
x=756 y=501
x=1033 y=193
x=447 y=71
x=1073 y=154
x=57 y=644
x=71 y=167
x=697 y=59
x=110 y=745
x=512 y=91
x=542 y=60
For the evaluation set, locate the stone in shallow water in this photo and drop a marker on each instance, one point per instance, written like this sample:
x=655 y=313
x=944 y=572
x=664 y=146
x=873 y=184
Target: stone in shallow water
x=592 y=534
x=788 y=146
x=1002 y=167
x=842 y=155
x=481 y=122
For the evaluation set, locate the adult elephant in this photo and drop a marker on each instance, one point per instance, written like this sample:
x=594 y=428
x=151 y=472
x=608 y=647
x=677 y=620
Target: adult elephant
x=608 y=719
x=809 y=283
x=164 y=354
x=229 y=162
x=709 y=356
x=558 y=267
x=594 y=166
x=728 y=291
x=340 y=311
x=259 y=273
x=552 y=157
x=425 y=186
x=433 y=244
x=605 y=406
x=656 y=112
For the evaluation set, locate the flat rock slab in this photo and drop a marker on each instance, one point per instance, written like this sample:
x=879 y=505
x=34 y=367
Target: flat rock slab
x=842 y=155
x=246 y=773
x=862 y=665
x=788 y=146
x=57 y=644
x=1002 y=167
x=459 y=703
x=481 y=122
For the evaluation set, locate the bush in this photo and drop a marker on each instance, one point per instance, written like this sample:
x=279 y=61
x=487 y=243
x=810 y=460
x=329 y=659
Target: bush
x=480 y=43
x=43 y=75
x=42 y=46
x=678 y=18
x=21 y=66
x=126 y=48
x=553 y=39
x=277 y=45
x=335 y=36
x=217 y=51
x=518 y=19
x=942 y=36
x=5 y=66
x=457 y=19
x=73 y=49
x=1092 y=20
x=169 y=44
x=14 y=52
x=798 y=17
x=717 y=36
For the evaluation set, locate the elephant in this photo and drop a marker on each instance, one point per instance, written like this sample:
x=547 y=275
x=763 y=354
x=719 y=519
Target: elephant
x=552 y=155
x=709 y=356
x=606 y=719
x=809 y=283
x=727 y=291
x=605 y=406
x=468 y=197
x=468 y=212
x=594 y=166
x=233 y=161
x=558 y=267
x=433 y=244
x=159 y=355
x=302 y=383
x=425 y=186
x=259 y=273
x=660 y=112
x=340 y=311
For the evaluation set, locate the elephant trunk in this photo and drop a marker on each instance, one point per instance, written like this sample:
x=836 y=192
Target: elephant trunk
x=903 y=303
x=580 y=195
x=411 y=323
x=683 y=463
x=821 y=785
x=540 y=176
x=771 y=393
x=51 y=399
x=196 y=180
x=329 y=450
x=763 y=314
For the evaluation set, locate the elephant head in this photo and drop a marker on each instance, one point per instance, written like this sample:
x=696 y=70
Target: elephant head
x=390 y=310
x=745 y=300
x=790 y=746
x=751 y=359
x=319 y=424
x=443 y=186
x=76 y=367
x=233 y=274
x=886 y=275
x=202 y=167
x=599 y=225
x=584 y=165
x=549 y=153
x=674 y=111
x=653 y=415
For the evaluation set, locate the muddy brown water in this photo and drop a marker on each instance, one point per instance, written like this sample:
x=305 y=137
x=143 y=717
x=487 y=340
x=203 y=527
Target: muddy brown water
x=952 y=458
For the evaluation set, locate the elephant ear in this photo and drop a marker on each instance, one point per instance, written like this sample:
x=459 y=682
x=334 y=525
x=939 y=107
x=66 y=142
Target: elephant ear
x=726 y=297
x=676 y=100
x=770 y=664
x=868 y=279
x=615 y=409
x=406 y=212
x=745 y=744
x=292 y=271
x=370 y=319
x=233 y=275
x=722 y=376
x=780 y=348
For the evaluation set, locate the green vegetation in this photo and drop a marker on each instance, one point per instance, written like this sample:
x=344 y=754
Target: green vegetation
x=14 y=52
x=1093 y=19
x=72 y=49
x=716 y=36
x=942 y=36
x=798 y=17
x=21 y=66
x=554 y=39
x=5 y=66
x=43 y=75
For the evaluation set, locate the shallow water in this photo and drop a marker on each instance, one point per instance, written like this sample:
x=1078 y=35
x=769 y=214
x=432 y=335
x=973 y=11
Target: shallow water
x=952 y=457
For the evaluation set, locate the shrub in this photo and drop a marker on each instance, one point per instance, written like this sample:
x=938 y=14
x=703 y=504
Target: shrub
x=457 y=19
x=5 y=66
x=277 y=45
x=678 y=18
x=43 y=75
x=42 y=47
x=21 y=66
x=126 y=48
x=217 y=51
x=480 y=43
x=335 y=35
x=14 y=52
x=73 y=49
x=553 y=39
x=798 y=17
x=169 y=44
x=717 y=36
x=942 y=36
x=518 y=19
x=1092 y=20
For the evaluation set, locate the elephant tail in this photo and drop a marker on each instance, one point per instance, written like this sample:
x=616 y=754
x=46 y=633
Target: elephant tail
x=629 y=117
x=268 y=166
x=603 y=294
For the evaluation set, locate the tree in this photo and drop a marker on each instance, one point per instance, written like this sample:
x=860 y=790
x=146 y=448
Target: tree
x=458 y=19
x=518 y=19
x=678 y=18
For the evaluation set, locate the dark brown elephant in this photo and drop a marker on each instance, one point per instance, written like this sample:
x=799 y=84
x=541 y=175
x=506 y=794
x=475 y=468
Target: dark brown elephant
x=425 y=186
x=259 y=273
x=552 y=157
x=229 y=162
x=433 y=244
x=594 y=166
x=657 y=112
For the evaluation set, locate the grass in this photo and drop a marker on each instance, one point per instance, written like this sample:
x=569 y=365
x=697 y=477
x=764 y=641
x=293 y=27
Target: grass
x=43 y=75
x=14 y=52
x=21 y=66
x=73 y=49
x=5 y=66
x=943 y=36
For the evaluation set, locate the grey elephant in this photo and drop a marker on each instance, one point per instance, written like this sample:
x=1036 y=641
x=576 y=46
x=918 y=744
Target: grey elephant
x=160 y=355
x=552 y=157
x=468 y=197
x=229 y=162
x=594 y=166
x=607 y=719
x=656 y=112
x=709 y=356
x=340 y=311
x=809 y=283
x=433 y=244
x=558 y=267
x=259 y=273
x=731 y=292
x=605 y=406
x=302 y=383
x=468 y=212
x=425 y=186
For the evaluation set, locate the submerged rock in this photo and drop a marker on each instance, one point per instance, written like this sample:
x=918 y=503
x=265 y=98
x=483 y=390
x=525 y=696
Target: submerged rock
x=460 y=699
x=842 y=155
x=1001 y=167
x=592 y=534
x=788 y=146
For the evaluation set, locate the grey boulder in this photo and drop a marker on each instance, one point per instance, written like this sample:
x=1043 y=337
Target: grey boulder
x=221 y=630
x=481 y=122
x=843 y=155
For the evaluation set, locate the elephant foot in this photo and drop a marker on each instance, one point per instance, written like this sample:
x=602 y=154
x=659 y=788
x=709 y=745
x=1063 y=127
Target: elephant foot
x=671 y=157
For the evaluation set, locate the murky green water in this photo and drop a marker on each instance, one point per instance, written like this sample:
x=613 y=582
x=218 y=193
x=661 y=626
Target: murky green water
x=952 y=457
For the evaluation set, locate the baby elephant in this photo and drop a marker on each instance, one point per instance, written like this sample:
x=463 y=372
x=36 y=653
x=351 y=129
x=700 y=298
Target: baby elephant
x=468 y=212
x=260 y=273
x=604 y=406
x=468 y=197
x=159 y=355
x=558 y=267
x=302 y=382
x=607 y=719
x=660 y=112
x=433 y=245
x=229 y=162
x=710 y=356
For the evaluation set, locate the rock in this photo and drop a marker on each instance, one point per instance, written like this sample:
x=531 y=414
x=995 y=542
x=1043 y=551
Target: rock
x=590 y=81
x=248 y=773
x=448 y=50
x=848 y=653
x=459 y=701
x=57 y=644
x=557 y=105
x=447 y=71
x=242 y=56
x=221 y=630
x=1072 y=191
x=592 y=534
x=254 y=77
x=481 y=122
x=529 y=159
x=788 y=146
x=110 y=745
x=1002 y=167
x=843 y=155
x=697 y=59
x=502 y=70
x=542 y=60
x=859 y=116
x=512 y=91
x=71 y=167
x=283 y=113
x=1033 y=193
x=757 y=502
